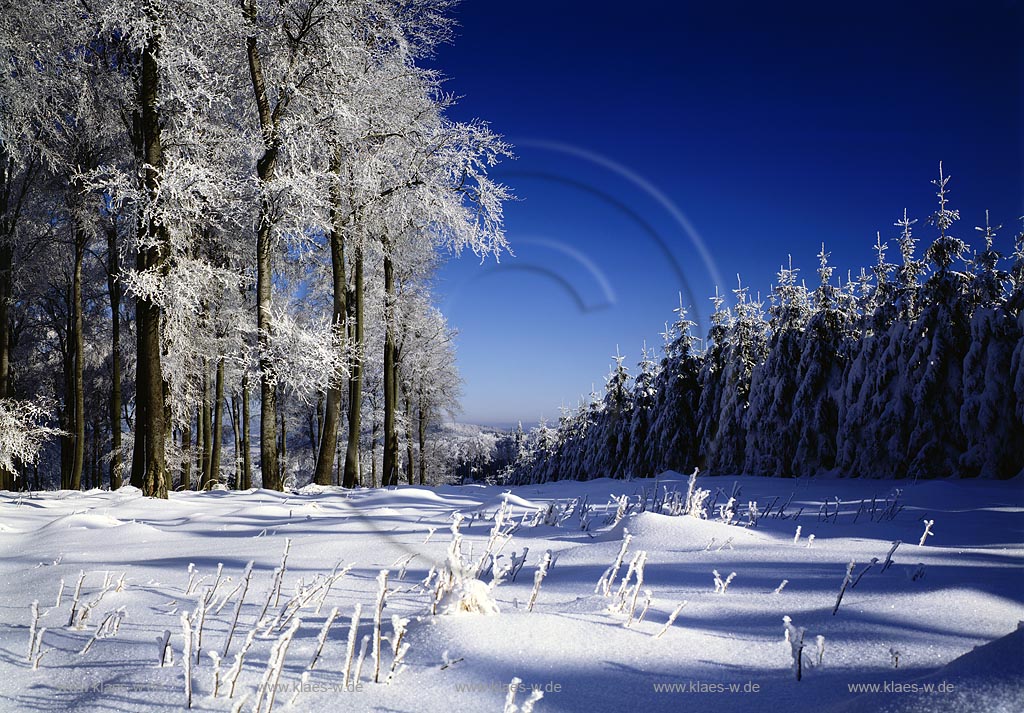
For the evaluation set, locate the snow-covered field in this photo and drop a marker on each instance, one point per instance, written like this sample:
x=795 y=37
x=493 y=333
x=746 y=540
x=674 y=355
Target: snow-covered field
x=725 y=651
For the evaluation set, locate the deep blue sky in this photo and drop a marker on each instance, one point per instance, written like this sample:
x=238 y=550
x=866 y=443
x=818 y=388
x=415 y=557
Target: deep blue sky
x=763 y=129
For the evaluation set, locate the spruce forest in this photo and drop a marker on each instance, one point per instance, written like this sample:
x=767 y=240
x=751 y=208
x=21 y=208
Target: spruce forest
x=912 y=368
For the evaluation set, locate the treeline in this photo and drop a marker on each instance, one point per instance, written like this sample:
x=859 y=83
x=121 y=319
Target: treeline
x=224 y=212
x=913 y=369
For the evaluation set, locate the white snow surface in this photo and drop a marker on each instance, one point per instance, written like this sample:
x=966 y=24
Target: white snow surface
x=725 y=651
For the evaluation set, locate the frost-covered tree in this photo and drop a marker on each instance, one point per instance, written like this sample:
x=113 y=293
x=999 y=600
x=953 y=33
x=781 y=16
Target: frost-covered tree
x=673 y=440
x=876 y=420
x=994 y=437
x=1015 y=306
x=640 y=458
x=876 y=322
x=23 y=431
x=711 y=381
x=745 y=342
x=771 y=442
x=815 y=419
x=939 y=343
x=607 y=445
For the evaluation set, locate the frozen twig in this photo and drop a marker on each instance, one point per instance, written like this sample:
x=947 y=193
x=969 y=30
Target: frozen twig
x=238 y=607
x=846 y=582
x=927 y=532
x=32 y=630
x=322 y=638
x=538 y=578
x=671 y=620
x=888 y=557
x=378 y=614
x=186 y=656
x=350 y=644
x=722 y=585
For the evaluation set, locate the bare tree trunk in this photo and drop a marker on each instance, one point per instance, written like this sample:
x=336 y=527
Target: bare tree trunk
x=265 y=169
x=186 y=455
x=78 y=357
x=283 y=449
x=316 y=424
x=374 y=439
x=313 y=424
x=355 y=382
x=153 y=425
x=205 y=473
x=67 y=413
x=268 y=396
x=423 y=436
x=337 y=466
x=410 y=461
x=246 y=445
x=389 y=470
x=332 y=414
x=218 y=425
x=114 y=290
x=138 y=474
x=97 y=428
x=200 y=449
x=236 y=433
x=7 y=225
x=6 y=290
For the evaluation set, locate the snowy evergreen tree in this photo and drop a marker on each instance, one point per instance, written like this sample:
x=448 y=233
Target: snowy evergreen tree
x=1015 y=307
x=771 y=445
x=745 y=347
x=939 y=342
x=712 y=383
x=815 y=420
x=873 y=440
x=992 y=430
x=876 y=323
x=677 y=399
x=640 y=456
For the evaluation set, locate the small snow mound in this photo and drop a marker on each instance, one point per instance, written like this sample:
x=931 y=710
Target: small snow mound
x=271 y=512
x=516 y=504
x=672 y=475
x=668 y=530
x=81 y=521
x=1002 y=658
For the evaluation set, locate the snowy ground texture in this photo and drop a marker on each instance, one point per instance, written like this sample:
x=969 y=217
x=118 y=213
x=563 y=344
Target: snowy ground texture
x=927 y=612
